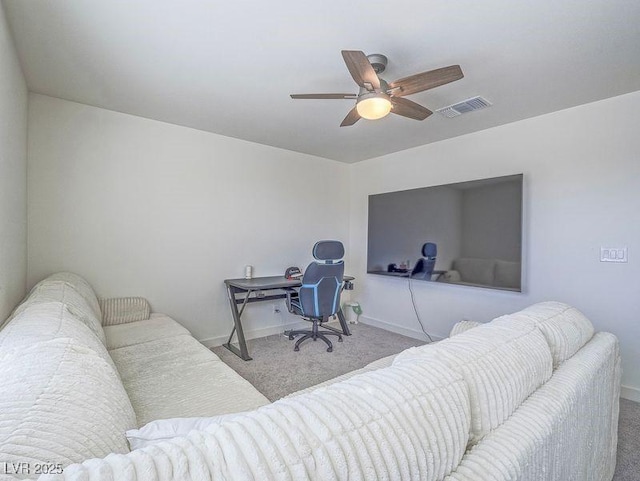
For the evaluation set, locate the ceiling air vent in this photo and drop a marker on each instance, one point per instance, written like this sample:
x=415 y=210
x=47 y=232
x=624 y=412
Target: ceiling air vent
x=469 y=105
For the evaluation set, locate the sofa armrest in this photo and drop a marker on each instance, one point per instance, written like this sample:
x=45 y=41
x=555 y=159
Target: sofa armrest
x=450 y=276
x=121 y=310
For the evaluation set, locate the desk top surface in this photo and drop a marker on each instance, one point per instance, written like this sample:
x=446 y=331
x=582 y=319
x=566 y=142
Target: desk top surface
x=270 y=282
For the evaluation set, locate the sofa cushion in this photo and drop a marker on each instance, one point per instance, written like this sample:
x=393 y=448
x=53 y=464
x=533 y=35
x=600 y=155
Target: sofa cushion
x=179 y=377
x=61 y=403
x=502 y=366
x=408 y=422
x=475 y=271
x=564 y=327
x=158 y=326
x=50 y=290
x=43 y=321
x=120 y=310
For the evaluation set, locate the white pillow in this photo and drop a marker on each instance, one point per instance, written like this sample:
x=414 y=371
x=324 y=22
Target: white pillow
x=165 y=429
x=123 y=310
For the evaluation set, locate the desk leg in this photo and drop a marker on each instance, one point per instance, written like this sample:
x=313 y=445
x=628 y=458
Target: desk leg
x=343 y=323
x=243 y=352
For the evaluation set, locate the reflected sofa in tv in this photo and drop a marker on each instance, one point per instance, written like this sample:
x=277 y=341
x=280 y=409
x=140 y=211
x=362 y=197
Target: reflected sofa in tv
x=483 y=272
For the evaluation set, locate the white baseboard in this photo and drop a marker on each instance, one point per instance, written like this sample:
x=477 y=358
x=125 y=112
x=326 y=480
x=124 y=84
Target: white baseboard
x=255 y=333
x=413 y=333
x=630 y=393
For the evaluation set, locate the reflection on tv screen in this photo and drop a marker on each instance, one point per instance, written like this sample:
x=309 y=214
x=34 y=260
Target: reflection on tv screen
x=468 y=233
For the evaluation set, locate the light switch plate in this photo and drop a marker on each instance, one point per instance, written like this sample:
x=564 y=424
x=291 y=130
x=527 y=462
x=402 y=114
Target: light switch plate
x=613 y=254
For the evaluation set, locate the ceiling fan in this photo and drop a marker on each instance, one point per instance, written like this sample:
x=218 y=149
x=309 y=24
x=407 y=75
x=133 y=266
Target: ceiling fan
x=377 y=98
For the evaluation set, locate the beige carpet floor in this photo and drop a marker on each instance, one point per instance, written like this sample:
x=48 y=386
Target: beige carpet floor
x=276 y=370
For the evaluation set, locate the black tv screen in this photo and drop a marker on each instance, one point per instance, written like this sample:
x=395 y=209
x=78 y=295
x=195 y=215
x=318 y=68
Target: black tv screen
x=468 y=233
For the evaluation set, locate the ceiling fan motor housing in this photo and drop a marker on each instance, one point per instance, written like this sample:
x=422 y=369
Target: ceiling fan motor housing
x=378 y=62
x=384 y=88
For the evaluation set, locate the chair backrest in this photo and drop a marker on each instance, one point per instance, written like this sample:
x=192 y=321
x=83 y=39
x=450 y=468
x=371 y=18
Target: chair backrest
x=322 y=280
x=424 y=267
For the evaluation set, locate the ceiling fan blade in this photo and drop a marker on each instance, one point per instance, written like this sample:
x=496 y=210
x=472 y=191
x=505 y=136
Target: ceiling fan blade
x=324 y=96
x=360 y=69
x=425 y=80
x=410 y=109
x=352 y=117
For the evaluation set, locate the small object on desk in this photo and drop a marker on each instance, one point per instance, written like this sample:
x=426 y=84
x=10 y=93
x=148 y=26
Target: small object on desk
x=293 y=273
x=248 y=272
x=395 y=268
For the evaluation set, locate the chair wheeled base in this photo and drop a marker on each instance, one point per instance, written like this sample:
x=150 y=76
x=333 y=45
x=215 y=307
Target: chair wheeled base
x=314 y=334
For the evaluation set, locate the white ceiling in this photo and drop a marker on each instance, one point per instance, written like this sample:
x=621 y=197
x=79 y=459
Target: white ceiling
x=229 y=67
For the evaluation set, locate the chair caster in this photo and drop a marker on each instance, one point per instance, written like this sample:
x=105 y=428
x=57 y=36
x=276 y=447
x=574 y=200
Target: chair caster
x=329 y=349
x=296 y=348
x=290 y=337
x=339 y=339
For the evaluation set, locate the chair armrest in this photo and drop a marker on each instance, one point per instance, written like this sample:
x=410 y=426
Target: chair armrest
x=291 y=294
x=121 y=310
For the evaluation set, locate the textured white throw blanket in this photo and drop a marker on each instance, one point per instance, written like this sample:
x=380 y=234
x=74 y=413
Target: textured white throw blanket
x=407 y=422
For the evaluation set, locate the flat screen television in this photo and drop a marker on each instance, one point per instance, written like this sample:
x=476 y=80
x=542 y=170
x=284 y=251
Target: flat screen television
x=468 y=233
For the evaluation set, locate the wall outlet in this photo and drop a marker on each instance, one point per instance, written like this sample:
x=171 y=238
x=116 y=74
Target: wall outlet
x=613 y=254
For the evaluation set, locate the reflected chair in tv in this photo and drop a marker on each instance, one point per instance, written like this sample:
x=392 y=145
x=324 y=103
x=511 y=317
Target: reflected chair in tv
x=318 y=298
x=425 y=266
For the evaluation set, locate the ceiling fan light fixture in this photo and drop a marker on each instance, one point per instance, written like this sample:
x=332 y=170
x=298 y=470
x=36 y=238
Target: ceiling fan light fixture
x=373 y=106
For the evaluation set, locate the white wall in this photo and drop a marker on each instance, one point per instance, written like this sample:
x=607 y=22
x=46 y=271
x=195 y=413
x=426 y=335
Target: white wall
x=141 y=207
x=581 y=191
x=13 y=175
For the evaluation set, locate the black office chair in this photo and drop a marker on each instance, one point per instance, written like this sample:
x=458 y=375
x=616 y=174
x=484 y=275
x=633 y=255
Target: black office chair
x=424 y=267
x=319 y=296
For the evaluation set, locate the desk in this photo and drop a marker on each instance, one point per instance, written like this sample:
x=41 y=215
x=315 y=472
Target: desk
x=252 y=288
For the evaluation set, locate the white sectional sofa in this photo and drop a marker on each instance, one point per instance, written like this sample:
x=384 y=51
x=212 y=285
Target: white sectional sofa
x=72 y=387
x=529 y=396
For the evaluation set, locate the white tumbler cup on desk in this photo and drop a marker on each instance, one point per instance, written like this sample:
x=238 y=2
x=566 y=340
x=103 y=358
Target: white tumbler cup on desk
x=248 y=272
